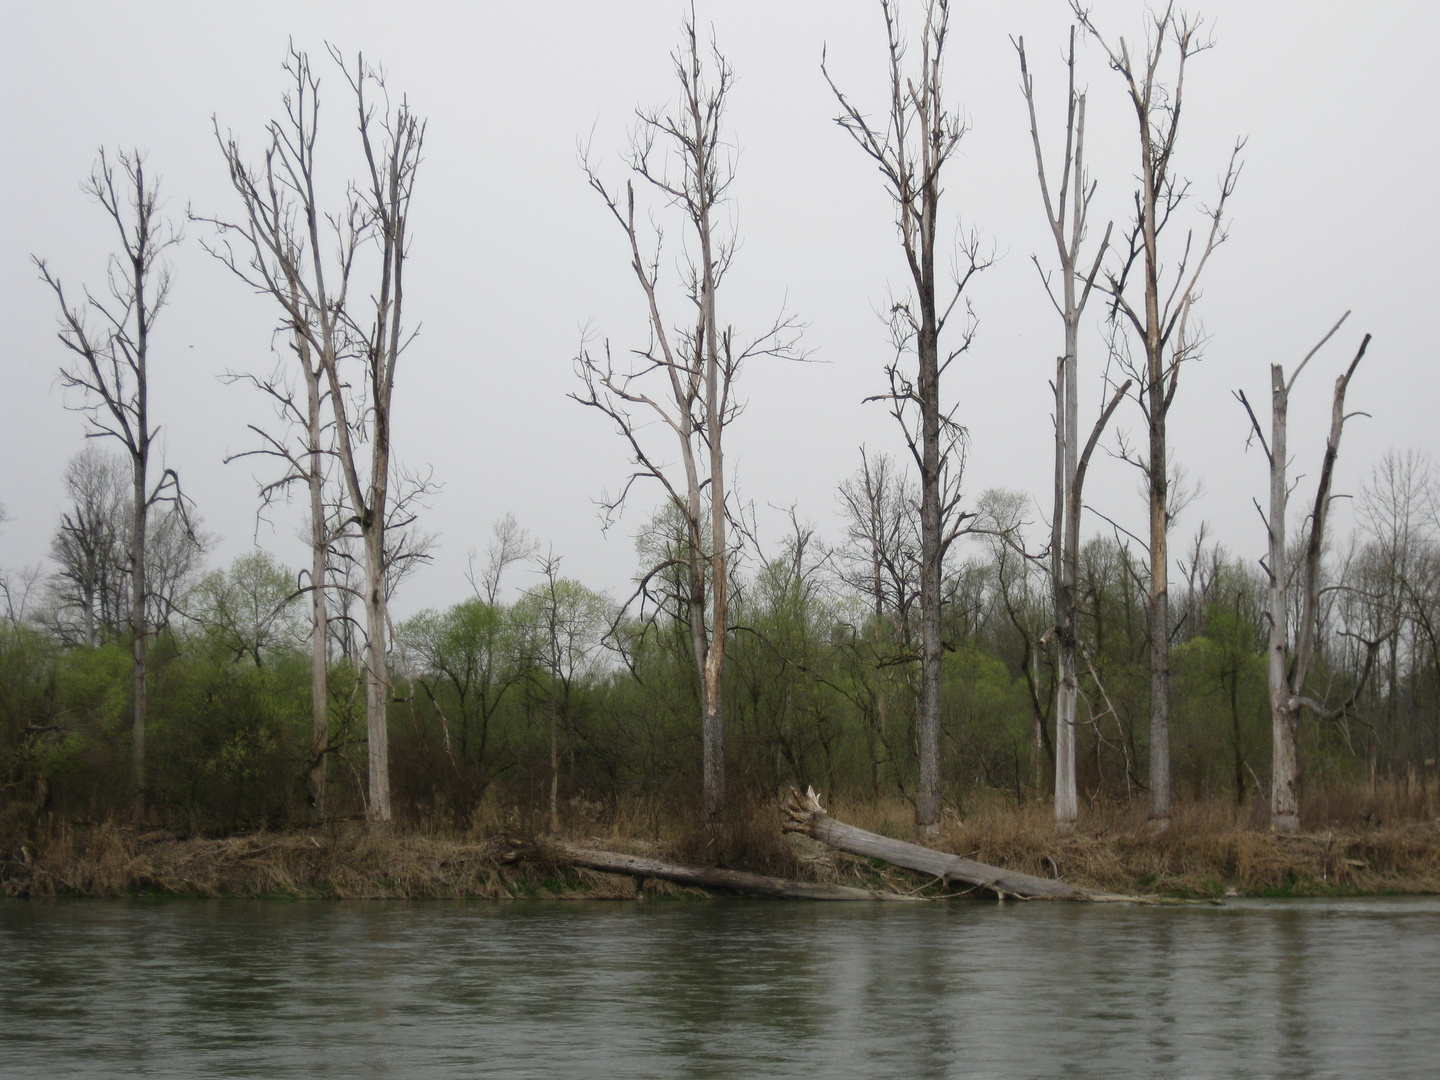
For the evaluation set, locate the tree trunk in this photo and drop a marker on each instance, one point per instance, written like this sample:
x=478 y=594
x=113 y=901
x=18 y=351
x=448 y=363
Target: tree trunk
x=377 y=683
x=1285 y=757
x=554 y=762
x=140 y=632
x=927 y=802
x=805 y=815
x=713 y=733
x=612 y=862
x=319 y=613
x=1159 y=612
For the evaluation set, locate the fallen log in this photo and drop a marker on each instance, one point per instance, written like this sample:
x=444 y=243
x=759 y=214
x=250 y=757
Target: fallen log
x=613 y=862
x=805 y=815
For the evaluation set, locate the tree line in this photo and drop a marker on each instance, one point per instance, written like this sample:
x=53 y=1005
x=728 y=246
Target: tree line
x=939 y=648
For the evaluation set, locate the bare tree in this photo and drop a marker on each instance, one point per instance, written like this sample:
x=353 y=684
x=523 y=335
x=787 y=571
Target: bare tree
x=917 y=137
x=110 y=339
x=1158 y=311
x=1290 y=665
x=1072 y=201
x=880 y=561
x=567 y=622
x=283 y=258
x=88 y=546
x=509 y=544
x=682 y=157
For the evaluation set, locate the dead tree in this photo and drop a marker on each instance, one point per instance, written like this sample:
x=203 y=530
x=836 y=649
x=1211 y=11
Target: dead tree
x=681 y=156
x=88 y=546
x=1072 y=201
x=110 y=339
x=282 y=256
x=879 y=560
x=1157 y=310
x=1289 y=666
x=911 y=146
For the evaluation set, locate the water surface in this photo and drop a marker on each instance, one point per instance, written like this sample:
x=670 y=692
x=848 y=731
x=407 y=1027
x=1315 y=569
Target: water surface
x=1333 y=988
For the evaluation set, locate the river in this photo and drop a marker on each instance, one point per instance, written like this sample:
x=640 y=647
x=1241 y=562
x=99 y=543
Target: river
x=753 y=989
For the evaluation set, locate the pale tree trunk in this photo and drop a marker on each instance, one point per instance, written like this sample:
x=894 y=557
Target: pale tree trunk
x=1287 y=667
x=319 y=613
x=1285 y=754
x=927 y=801
x=1070 y=462
x=282 y=226
x=716 y=395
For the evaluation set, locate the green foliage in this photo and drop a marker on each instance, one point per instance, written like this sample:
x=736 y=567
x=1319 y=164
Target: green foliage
x=819 y=689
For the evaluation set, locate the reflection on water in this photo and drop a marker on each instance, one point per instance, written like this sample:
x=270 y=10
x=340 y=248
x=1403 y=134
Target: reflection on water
x=719 y=989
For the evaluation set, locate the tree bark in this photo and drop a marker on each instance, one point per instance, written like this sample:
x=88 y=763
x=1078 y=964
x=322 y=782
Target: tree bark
x=139 y=628
x=1285 y=756
x=612 y=862
x=377 y=681
x=1159 y=623
x=319 y=570
x=805 y=815
x=1162 y=322
x=918 y=137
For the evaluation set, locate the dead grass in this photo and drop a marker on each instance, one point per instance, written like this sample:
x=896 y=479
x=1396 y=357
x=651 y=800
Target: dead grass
x=1356 y=842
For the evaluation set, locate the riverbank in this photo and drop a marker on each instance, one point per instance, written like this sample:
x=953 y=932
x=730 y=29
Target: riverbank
x=1210 y=850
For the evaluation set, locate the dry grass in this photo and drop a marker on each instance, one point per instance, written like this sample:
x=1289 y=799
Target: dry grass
x=1356 y=842
x=350 y=863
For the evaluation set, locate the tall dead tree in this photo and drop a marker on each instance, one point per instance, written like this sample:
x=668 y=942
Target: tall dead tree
x=911 y=146
x=681 y=156
x=1288 y=666
x=1157 y=310
x=1071 y=201
x=110 y=339
x=282 y=257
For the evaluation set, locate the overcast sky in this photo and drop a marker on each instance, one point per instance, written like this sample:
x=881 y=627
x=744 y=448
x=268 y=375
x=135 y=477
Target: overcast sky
x=513 y=256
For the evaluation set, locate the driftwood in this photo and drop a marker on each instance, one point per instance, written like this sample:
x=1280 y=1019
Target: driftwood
x=805 y=815
x=613 y=862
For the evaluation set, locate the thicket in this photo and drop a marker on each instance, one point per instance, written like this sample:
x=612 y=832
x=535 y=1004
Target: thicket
x=496 y=701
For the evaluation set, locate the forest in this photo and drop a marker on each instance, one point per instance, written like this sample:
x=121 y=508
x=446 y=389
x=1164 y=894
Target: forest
x=947 y=650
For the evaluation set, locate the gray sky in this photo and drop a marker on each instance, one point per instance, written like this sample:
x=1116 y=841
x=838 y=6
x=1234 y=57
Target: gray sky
x=513 y=255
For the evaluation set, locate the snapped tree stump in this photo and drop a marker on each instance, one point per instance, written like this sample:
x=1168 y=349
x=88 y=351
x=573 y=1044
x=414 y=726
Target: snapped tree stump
x=805 y=815
x=613 y=862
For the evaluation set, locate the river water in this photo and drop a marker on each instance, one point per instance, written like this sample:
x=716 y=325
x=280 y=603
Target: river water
x=753 y=989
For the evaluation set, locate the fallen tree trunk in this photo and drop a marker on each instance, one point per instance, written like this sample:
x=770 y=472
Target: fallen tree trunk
x=805 y=815
x=613 y=862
